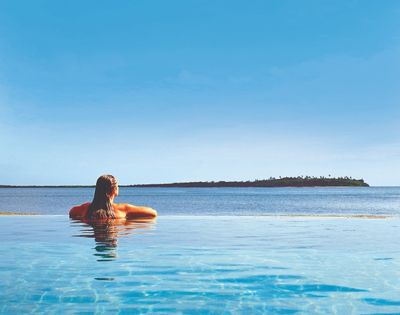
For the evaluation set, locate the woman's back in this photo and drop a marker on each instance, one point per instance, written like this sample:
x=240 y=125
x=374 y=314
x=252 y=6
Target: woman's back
x=103 y=206
x=121 y=211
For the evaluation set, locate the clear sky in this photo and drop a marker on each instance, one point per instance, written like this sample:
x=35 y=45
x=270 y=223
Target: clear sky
x=165 y=91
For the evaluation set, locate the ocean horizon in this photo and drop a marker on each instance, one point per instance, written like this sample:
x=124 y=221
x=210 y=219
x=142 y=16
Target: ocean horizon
x=375 y=200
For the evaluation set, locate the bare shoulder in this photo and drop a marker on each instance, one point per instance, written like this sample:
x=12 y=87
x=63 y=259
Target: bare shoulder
x=133 y=211
x=127 y=206
x=79 y=211
x=119 y=206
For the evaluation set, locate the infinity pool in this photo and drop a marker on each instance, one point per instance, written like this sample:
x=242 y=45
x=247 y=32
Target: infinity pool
x=231 y=265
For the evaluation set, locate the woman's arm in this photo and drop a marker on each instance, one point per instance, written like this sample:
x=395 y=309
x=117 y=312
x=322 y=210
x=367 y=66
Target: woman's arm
x=79 y=211
x=137 y=212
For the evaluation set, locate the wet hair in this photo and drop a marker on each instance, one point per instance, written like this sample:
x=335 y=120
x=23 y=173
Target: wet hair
x=101 y=207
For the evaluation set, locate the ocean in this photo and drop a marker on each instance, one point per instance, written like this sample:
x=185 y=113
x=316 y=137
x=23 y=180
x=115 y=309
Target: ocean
x=210 y=251
x=216 y=201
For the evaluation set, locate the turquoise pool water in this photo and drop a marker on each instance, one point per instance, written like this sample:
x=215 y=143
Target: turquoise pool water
x=200 y=264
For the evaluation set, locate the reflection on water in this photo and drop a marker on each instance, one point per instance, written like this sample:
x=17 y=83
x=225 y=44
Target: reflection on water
x=107 y=232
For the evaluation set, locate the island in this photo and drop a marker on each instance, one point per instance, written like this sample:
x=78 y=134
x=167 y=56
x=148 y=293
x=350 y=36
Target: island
x=300 y=181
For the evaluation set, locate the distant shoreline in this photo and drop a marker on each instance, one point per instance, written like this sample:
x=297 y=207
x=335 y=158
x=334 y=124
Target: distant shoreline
x=265 y=183
x=270 y=183
x=16 y=213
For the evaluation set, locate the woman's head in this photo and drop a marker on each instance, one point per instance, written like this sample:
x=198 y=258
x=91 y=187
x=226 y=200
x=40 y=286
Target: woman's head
x=101 y=206
x=107 y=185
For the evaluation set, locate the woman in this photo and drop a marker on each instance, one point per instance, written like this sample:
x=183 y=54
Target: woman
x=103 y=206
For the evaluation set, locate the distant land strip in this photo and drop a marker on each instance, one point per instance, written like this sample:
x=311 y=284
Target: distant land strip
x=301 y=181
x=16 y=213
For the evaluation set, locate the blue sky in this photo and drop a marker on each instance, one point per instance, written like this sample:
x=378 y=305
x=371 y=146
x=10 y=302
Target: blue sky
x=165 y=91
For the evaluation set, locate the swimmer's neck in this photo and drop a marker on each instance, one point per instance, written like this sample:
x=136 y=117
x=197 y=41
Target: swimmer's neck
x=112 y=199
